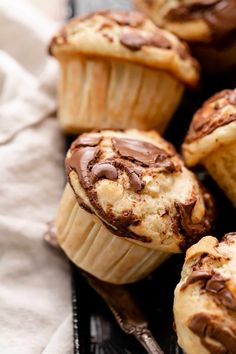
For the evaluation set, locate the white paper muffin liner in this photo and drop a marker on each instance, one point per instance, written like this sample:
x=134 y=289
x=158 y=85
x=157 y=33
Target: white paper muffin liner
x=96 y=250
x=222 y=167
x=106 y=93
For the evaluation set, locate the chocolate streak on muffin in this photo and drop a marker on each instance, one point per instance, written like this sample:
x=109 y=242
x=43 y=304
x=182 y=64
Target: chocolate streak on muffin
x=143 y=153
x=134 y=178
x=229 y=238
x=191 y=232
x=214 y=335
x=195 y=276
x=214 y=284
x=219 y=14
x=80 y=161
x=183 y=222
x=204 y=124
x=135 y=41
x=85 y=140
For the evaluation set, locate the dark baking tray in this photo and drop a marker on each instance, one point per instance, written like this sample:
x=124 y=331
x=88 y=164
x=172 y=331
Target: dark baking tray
x=95 y=329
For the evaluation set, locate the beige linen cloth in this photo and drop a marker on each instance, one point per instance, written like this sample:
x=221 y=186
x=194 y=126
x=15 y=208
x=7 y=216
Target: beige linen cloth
x=35 y=289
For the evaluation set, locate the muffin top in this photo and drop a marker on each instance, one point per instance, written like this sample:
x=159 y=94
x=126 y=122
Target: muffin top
x=205 y=298
x=129 y=36
x=213 y=126
x=194 y=20
x=136 y=184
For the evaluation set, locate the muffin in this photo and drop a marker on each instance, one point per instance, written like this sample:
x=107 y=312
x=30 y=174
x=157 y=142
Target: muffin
x=129 y=204
x=119 y=70
x=209 y=26
x=211 y=140
x=205 y=298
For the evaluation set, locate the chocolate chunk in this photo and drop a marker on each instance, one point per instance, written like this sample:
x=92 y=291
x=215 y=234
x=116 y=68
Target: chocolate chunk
x=219 y=14
x=134 y=178
x=214 y=284
x=217 y=286
x=191 y=232
x=132 y=19
x=135 y=41
x=86 y=140
x=195 y=276
x=145 y=153
x=213 y=333
x=104 y=170
x=207 y=119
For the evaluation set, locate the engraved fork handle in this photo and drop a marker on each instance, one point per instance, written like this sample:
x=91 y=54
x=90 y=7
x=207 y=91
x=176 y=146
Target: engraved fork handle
x=148 y=342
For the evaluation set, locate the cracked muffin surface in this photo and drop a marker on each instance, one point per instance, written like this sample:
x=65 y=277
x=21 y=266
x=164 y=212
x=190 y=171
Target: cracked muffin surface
x=130 y=36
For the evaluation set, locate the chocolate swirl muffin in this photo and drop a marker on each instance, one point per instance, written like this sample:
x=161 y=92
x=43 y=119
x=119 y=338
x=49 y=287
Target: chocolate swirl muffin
x=211 y=140
x=205 y=298
x=119 y=70
x=134 y=187
x=208 y=25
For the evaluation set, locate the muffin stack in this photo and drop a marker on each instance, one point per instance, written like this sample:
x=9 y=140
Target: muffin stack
x=130 y=202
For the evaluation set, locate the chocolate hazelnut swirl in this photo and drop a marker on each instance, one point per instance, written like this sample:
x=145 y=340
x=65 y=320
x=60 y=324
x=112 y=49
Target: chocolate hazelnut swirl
x=132 y=181
x=216 y=112
x=208 y=287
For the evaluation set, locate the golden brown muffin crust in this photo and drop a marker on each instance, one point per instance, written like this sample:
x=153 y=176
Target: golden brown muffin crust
x=126 y=35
